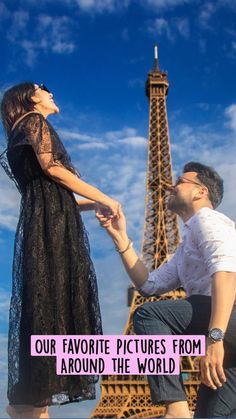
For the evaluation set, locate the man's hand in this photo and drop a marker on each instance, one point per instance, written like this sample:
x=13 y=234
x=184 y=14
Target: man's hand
x=211 y=365
x=116 y=228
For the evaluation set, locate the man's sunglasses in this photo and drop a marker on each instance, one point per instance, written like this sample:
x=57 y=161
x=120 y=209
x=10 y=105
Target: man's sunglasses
x=43 y=87
x=182 y=179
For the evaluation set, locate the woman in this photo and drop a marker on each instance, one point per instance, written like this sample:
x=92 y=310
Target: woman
x=54 y=283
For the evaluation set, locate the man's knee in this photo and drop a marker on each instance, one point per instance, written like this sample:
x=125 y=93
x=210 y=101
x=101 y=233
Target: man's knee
x=138 y=320
x=142 y=316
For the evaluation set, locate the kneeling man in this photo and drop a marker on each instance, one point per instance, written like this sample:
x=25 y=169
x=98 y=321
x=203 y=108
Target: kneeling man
x=205 y=265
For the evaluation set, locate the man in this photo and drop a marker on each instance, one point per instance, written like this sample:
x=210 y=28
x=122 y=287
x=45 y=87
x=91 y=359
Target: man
x=205 y=265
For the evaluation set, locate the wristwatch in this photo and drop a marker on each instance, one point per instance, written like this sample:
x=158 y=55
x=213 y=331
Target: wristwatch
x=215 y=334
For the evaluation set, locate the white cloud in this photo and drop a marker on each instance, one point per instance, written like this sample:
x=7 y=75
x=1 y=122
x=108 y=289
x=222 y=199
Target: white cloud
x=164 y=4
x=30 y=52
x=126 y=136
x=61 y=47
x=101 y=5
x=110 y=6
x=20 y=20
x=170 y=28
x=207 y=10
x=51 y=33
x=124 y=132
x=9 y=203
x=4 y=12
x=18 y=26
x=4 y=304
x=161 y=27
x=89 y=6
x=230 y=113
x=134 y=141
x=55 y=33
x=92 y=146
x=76 y=135
x=182 y=26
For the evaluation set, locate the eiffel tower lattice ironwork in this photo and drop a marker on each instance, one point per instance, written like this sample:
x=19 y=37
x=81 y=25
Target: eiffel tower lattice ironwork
x=129 y=396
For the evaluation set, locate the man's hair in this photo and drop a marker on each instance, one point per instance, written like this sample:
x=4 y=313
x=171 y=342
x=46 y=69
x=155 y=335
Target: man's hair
x=16 y=102
x=209 y=178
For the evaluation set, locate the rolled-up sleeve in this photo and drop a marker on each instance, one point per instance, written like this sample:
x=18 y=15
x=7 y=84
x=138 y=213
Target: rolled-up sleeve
x=215 y=238
x=163 y=279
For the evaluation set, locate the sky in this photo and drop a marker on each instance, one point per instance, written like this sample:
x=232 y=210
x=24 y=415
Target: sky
x=94 y=55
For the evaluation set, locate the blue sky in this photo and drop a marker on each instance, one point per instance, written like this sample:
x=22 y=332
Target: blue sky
x=94 y=55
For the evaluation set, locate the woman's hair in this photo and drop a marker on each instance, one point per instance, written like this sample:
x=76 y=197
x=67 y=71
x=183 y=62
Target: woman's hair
x=16 y=102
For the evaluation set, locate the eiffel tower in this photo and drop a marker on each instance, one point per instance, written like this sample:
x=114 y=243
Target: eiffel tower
x=129 y=396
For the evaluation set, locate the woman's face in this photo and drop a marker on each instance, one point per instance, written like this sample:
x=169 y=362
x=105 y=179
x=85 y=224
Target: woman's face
x=44 y=102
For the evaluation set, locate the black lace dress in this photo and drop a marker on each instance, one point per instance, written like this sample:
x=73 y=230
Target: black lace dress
x=54 y=283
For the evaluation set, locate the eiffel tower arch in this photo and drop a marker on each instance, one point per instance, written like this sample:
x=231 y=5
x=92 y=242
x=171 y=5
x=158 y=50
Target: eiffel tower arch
x=129 y=396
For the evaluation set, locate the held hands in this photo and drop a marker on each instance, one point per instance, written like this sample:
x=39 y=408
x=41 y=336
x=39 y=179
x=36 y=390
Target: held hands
x=110 y=207
x=115 y=226
x=211 y=365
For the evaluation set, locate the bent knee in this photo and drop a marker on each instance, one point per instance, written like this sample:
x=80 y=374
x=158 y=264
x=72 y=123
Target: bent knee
x=142 y=315
x=137 y=320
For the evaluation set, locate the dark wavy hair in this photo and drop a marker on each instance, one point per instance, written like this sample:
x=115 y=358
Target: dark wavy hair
x=209 y=178
x=16 y=102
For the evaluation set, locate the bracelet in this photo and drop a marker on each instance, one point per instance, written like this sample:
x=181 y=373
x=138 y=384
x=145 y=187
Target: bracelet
x=130 y=244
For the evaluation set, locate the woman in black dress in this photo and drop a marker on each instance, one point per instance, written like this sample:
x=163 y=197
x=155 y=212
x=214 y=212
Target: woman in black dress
x=54 y=284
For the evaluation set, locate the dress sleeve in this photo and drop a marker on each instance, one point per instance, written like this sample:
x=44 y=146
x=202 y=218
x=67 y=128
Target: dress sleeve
x=39 y=136
x=163 y=279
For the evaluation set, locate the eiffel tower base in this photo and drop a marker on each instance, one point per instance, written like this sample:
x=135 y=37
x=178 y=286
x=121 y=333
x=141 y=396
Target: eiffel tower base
x=122 y=398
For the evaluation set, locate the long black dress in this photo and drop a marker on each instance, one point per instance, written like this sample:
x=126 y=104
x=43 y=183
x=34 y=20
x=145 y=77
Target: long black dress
x=54 y=283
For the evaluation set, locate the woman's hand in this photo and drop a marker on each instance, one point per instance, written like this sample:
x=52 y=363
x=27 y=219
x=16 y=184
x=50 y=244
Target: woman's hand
x=112 y=207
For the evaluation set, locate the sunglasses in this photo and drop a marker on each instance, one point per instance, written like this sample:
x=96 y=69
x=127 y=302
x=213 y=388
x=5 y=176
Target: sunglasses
x=43 y=87
x=182 y=179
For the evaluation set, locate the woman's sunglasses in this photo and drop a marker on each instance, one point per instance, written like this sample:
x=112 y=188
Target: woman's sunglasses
x=43 y=87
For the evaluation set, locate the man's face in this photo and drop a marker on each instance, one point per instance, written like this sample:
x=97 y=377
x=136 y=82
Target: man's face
x=182 y=193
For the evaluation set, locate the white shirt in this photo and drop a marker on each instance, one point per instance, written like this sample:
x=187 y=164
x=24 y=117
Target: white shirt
x=208 y=246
